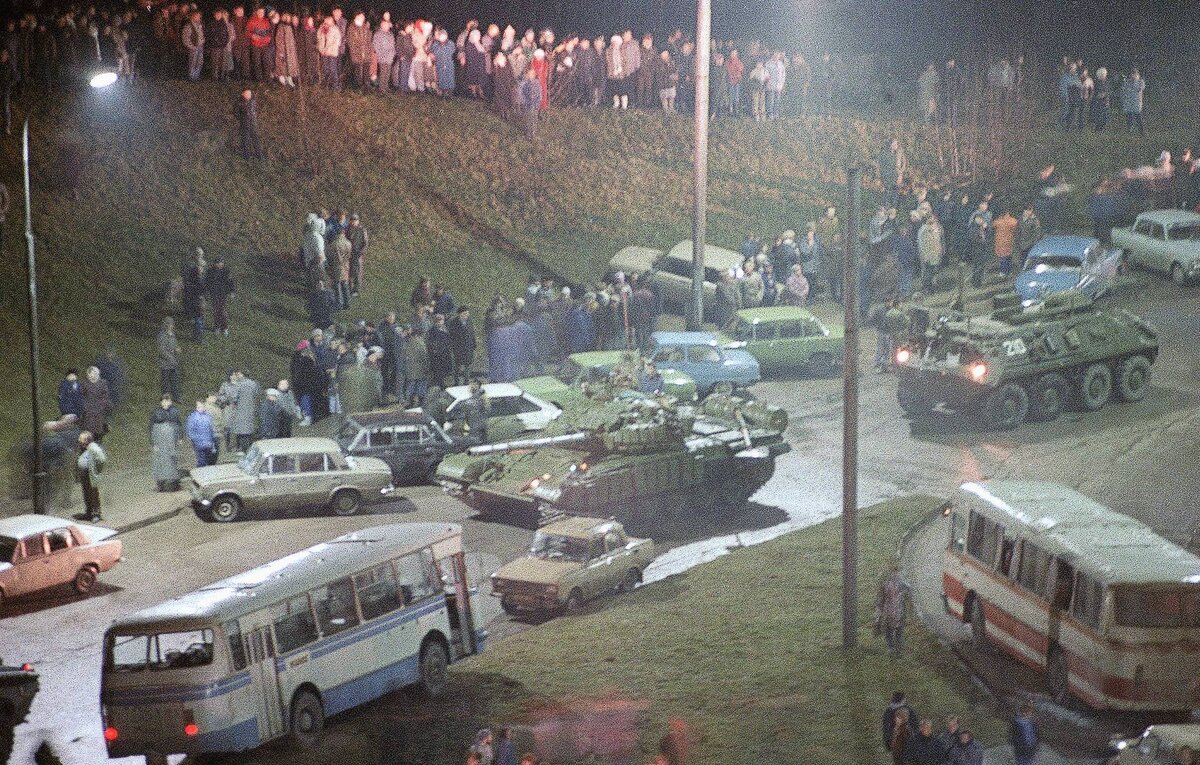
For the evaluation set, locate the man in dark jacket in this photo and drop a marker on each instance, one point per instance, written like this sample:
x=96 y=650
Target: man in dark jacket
x=388 y=339
x=440 y=349
x=473 y=412
x=219 y=287
x=889 y=717
x=321 y=305
x=193 y=293
x=923 y=747
x=357 y=234
x=246 y=112
x=216 y=38
x=271 y=416
x=462 y=345
x=70 y=399
x=1024 y=736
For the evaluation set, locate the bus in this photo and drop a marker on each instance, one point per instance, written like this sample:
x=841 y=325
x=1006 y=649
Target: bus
x=1105 y=608
x=272 y=652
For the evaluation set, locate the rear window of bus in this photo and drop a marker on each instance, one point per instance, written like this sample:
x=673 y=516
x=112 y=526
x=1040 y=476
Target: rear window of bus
x=165 y=650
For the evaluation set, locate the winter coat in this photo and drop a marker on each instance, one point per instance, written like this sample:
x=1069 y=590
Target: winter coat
x=438 y=347
x=631 y=53
x=243 y=421
x=340 y=264
x=92 y=461
x=931 y=243
x=797 y=289
x=462 y=340
x=1132 y=92
x=906 y=250
x=614 y=63
x=970 y=754
x=504 y=91
x=306 y=377
x=193 y=35
x=579 y=330
x=270 y=418
x=416 y=358
x=752 y=290
x=922 y=750
x=164 y=460
x=329 y=41
x=192 y=293
x=216 y=34
x=97 y=405
x=358 y=43
x=287 y=58
x=384 y=44
x=321 y=305
x=529 y=94
x=776 y=75
x=259 y=31
x=360 y=388
x=70 y=398
x=201 y=430
x=218 y=283
x=443 y=61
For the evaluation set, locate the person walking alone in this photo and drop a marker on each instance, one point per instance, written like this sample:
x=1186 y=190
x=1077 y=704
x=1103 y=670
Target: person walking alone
x=529 y=100
x=1132 y=91
x=359 y=240
x=168 y=358
x=247 y=117
x=891 y=603
x=89 y=467
x=219 y=286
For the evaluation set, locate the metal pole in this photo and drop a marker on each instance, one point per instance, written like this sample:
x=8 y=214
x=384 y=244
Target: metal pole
x=695 y=314
x=35 y=371
x=850 y=413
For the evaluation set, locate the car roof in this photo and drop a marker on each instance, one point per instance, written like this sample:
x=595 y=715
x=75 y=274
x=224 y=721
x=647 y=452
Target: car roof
x=714 y=257
x=589 y=359
x=579 y=526
x=492 y=390
x=1179 y=734
x=1105 y=544
x=270 y=583
x=775 y=313
x=684 y=338
x=635 y=257
x=393 y=416
x=296 y=445
x=1170 y=217
x=19 y=526
x=1070 y=246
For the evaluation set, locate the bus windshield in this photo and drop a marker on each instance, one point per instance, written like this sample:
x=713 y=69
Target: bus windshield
x=166 y=650
x=553 y=546
x=1158 y=607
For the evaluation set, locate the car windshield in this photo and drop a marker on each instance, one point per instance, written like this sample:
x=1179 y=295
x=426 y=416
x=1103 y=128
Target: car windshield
x=166 y=650
x=1050 y=262
x=7 y=548
x=556 y=547
x=1158 y=607
x=249 y=461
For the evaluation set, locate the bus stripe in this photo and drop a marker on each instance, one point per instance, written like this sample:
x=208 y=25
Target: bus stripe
x=359 y=633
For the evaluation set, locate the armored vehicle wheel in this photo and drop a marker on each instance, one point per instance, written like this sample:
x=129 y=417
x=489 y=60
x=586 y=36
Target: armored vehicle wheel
x=225 y=509
x=979 y=636
x=1005 y=408
x=308 y=720
x=821 y=364
x=1133 y=378
x=1095 y=387
x=913 y=404
x=346 y=502
x=1057 y=682
x=1047 y=397
x=1178 y=275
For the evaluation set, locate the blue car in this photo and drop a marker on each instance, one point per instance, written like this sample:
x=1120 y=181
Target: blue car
x=1058 y=263
x=700 y=355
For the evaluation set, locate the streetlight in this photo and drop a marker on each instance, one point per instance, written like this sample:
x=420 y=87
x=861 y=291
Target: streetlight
x=99 y=81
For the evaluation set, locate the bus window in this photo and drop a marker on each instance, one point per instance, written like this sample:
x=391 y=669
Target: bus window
x=237 y=651
x=958 y=533
x=1006 y=555
x=167 y=650
x=294 y=624
x=334 y=604
x=1064 y=581
x=1033 y=569
x=983 y=539
x=413 y=576
x=1158 y=607
x=1089 y=600
x=377 y=592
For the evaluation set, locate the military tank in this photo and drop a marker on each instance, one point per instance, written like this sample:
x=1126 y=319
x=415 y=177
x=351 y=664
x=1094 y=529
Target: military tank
x=18 y=686
x=1024 y=362
x=627 y=456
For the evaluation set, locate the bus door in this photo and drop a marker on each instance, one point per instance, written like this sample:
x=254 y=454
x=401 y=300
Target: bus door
x=458 y=602
x=260 y=655
x=1060 y=598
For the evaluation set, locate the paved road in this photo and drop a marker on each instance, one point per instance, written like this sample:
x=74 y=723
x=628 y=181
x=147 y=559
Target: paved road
x=1130 y=456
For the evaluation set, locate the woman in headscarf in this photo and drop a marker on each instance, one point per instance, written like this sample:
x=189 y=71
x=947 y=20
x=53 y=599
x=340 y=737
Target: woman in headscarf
x=504 y=87
x=165 y=434
x=476 y=69
x=444 y=50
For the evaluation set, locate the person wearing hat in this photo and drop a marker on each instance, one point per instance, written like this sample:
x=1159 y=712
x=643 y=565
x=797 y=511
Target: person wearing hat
x=906 y=252
x=165 y=434
x=357 y=234
x=270 y=416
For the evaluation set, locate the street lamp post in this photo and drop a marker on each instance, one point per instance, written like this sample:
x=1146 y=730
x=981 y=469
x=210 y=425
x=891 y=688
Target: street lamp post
x=98 y=81
x=695 y=314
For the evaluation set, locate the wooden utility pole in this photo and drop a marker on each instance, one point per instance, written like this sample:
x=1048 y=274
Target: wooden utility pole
x=850 y=412
x=695 y=314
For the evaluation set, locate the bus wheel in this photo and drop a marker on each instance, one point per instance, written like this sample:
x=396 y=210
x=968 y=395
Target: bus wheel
x=1057 y=682
x=978 y=625
x=308 y=720
x=434 y=662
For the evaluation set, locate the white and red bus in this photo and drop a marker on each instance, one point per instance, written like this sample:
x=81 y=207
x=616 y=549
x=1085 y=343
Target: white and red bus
x=1106 y=608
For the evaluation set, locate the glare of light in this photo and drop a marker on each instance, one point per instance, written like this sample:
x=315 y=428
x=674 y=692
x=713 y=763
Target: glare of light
x=110 y=734
x=191 y=729
x=978 y=372
x=102 y=80
x=903 y=355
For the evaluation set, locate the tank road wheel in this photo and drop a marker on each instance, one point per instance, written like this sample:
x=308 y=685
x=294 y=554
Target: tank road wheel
x=225 y=508
x=435 y=673
x=1095 y=387
x=1133 y=378
x=307 y=720
x=1178 y=275
x=1005 y=408
x=1047 y=397
x=346 y=502
x=979 y=637
x=821 y=364
x=1057 y=682
x=723 y=388
x=85 y=580
x=913 y=404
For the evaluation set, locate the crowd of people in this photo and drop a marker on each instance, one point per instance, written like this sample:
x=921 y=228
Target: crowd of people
x=912 y=740
x=1083 y=97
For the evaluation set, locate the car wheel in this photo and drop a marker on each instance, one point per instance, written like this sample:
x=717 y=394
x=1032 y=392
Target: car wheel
x=85 y=580
x=1047 y=397
x=1178 y=275
x=630 y=581
x=574 y=602
x=1133 y=378
x=307 y=720
x=1005 y=408
x=821 y=364
x=346 y=502
x=1057 y=678
x=979 y=636
x=435 y=676
x=1095 y=387
x=723 y=389
x=225 y=509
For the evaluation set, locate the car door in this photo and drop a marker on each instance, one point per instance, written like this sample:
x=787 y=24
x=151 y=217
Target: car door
x=1140 y=243
x=599 y=568
x=1159 y=252
x=321 y=473
x=30 y=566
x=704 y=365
x=62 y=555
x=278 y=489
x=617 y=550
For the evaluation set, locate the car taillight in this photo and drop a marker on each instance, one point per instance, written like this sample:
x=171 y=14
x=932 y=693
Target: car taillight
x=191 y=729
x=903 y=355
x=26 y=667
x=110 y=733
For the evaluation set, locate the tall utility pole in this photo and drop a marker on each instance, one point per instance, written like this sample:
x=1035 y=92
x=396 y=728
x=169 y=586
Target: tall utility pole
x=850 y=412
x=695 y=314
x=35 y=367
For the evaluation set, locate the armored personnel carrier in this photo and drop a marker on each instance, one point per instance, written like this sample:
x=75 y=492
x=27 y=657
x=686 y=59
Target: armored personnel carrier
x=627 y=456
x=18 y=686
x=1024 y=362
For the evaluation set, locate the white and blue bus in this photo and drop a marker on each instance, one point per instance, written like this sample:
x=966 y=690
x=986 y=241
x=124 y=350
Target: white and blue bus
x=274 y=651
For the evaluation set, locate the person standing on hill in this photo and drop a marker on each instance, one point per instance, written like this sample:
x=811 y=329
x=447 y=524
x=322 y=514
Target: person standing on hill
x=383 y=44
x=462 y=345
x=504 y=87
x=165 y=433
x=358 y=43
x=1132 y=91
x=246 y=112
x=735 y=71
x=342 y=253
x=244 y=421
x=287 y=56
x=192 y=293
x=219 y=286
x=168 y=358
x=216 y=39
x=359 y=240
x=192 y=37
x=258 y=29
x=529 y=99
x=329 y=44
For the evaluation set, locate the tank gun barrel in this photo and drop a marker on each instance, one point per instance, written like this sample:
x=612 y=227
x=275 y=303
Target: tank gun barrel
x=529 y=443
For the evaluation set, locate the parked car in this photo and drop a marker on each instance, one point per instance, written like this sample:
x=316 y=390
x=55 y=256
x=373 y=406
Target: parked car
x=1163 y=240
x=410 y=441
x=1157 y=745
x=700 y=356
x=18 y=686
x=279 y=475
x=512 y=410
x=1058 y=263
x=571 y=562
x=787 y=339
x=38 y=552
x=673 y=270
x=564 y=388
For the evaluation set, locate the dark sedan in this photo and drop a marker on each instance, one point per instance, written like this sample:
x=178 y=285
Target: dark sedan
x=409 y=441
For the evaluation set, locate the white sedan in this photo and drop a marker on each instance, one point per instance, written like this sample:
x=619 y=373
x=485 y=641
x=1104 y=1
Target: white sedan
x=512 y=411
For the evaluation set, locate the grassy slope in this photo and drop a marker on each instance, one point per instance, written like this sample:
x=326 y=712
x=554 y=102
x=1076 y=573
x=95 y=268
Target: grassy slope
x=444 y=186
